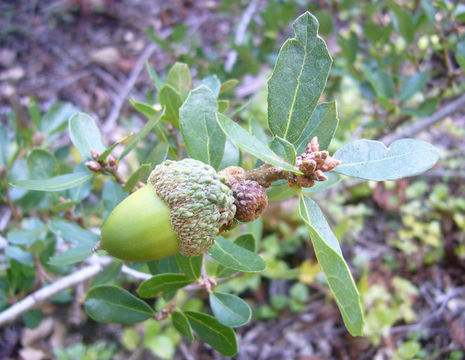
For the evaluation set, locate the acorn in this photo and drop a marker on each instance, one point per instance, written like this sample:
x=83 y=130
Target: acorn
x=183 y=207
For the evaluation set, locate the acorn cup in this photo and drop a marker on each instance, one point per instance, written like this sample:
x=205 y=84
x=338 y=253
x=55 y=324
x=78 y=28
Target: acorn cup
x=184 y=206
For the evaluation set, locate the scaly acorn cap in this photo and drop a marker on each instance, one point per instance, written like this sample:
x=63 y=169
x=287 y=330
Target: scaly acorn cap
x=200 y=203
x=182 y=208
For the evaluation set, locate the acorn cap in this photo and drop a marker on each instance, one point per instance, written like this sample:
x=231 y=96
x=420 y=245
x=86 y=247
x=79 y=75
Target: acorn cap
x=199 y=201
x=182 y=208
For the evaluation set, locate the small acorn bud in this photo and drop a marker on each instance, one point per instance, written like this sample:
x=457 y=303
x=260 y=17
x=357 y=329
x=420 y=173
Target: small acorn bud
x=93 y=165
x=251 y=200
x=182 y=208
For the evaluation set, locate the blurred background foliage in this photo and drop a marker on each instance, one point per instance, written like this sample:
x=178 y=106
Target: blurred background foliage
x=396 y=63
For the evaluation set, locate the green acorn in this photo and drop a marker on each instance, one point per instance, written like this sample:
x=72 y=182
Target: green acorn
x=184 y=206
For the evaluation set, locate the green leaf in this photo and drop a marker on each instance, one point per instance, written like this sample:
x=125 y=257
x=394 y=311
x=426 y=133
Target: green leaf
x=190 y=266
x=235 y=257
x=111 y=304
x=71 y=256
x=54 y=121
x=165 y=45
x=221 y=338
x=154 y=76
x=158 y=154
x=57 y=183
x=141 y=174
x=298 y=80
x=213 y=83
x=402 y=20
x=230 y=310
x=203 y=137
x=40 y=164
x=426 y=108
x=372 y=160
x=108 y=274
x=228 y=85
x=73 y=233
x=412 y=85
x=429 y=10
x=149 y=125
x=334 y=267
x=380 y=80
x=112 y=195
x=34 y=111
x=323 y=123
x=146 y=109
x=108 y=151
x=181 y=324
x=4 y=145
x=460 y=53
x=246 y=241
x=179 y=77
x=232 y=155
x=24 y=236
x=249 y=143
x=223 y=105
x=85 y=134
x=20 y=255
x=162 y=284
x=172 y=101
x=284 y=149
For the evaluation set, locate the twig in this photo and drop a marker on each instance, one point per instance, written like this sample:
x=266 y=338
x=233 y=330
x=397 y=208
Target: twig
x=425 y=123
x=134 y=273
x=123 y=94
x=422 y=324
x=38 y=297
x=240 y=33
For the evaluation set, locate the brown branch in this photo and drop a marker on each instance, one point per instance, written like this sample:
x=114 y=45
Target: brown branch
x=266 y=175
x=426 y=122
x=123 y=94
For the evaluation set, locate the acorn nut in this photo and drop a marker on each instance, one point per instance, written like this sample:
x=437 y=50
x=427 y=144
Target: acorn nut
x=182 y=209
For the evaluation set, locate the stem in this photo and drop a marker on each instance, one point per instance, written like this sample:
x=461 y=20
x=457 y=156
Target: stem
x=267 y=174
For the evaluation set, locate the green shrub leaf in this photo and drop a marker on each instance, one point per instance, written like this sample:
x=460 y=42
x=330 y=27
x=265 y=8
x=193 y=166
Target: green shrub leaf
x=179 y=77
x=141 y=174
x=190 y=266
x=85 y=134
x=111 y=304
x=220 y=337
x=298 y=79
x=334 y=267
x=246 y=241
x=71 y=256
x=72 y=232
x=146 y=109
x=57 y=183
x=149 y=125
x=213 y=83
x=40 y=164
x=230 y=310
x=284 y=149
x=203 y=137
x=235 y=257
x=171 y=101
x=372 y=160
x=249 y=143
x=162 y=284
x=181 y=324
x=323 y=123
x=412 y=85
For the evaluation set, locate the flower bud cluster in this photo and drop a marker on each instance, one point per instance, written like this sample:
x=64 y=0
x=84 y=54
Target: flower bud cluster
x=313 y=163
